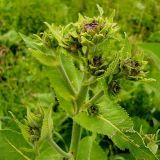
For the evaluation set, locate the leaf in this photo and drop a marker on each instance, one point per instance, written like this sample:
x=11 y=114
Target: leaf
x=32 y=119
x=24 y=129
x=73 y=74
x=9 y=38
x=154 y=37
x=112 y=66
x=100 y=9
x=141 y=125
x=57 y=34
x=66 y=81
x=66 y=105
x=90 y=150
x=112 y=16
x=48 y=153
x=152 y=50
x=46 y=59
x=62 y=90
x=47 y=125
x=65 y=78
x=45 y=99
x=30 y=42
x=139 y=150
x=59 y=83
x=153 y=47
x=114 y=122
x=11 y=146
x=40 y=52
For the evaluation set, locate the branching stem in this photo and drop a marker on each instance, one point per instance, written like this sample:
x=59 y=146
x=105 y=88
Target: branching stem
x=58 y=149
x=93 y=99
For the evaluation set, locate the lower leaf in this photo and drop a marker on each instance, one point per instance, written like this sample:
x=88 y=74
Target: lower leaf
x=124 y=140
x=12 y=146
x=90 y=150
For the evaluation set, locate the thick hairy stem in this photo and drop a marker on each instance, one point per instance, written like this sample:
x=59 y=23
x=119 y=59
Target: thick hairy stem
x=58 y=149
x=76 y=128
x=76 y=135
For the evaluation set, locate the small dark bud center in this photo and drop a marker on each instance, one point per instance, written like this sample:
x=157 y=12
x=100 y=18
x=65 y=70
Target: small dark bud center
x=91 y=26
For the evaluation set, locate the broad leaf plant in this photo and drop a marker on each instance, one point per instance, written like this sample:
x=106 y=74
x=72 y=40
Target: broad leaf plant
x=86 y=63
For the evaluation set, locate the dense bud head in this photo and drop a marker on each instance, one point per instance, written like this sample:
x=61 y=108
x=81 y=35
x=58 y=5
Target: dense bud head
x=93 y=110
x=96 y=66
x=91 y=26
x=132 y=68
x=114 y=87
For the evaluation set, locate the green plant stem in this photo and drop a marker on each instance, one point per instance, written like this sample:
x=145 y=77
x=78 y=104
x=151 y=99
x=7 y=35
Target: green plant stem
x=76 y=128
x=93 y=99
x=76 y=135
x=58 y=149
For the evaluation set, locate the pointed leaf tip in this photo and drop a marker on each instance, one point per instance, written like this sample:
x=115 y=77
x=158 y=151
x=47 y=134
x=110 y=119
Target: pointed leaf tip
x=100 y=9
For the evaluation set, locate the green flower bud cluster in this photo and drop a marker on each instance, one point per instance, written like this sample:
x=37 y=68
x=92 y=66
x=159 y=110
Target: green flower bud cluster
x=132 y=68
x=114 y=87
x=38 y=125
x=34 y=124
x=96 y=46
x=95 y=30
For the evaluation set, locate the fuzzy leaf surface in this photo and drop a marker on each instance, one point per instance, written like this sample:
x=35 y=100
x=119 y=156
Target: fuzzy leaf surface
x=92 y=150
x=114 y=122
x=46 y=59
x=48 y=153
x=12 y=146
x=47 y=125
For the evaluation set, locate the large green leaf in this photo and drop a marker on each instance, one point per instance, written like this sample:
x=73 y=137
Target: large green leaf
x=63 y=91
x=45 y=99
x=90 y=150
x=66 y=105
x=66 y=81
x=152 y=52
x=72 y=72
x=13 y=146
x=47 y=59
x=24 y=129
x=114 y=122
x=60 y=84
x=40 y=52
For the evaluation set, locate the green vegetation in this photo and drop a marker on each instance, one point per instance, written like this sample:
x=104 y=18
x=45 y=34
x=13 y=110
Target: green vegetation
x=79 y=82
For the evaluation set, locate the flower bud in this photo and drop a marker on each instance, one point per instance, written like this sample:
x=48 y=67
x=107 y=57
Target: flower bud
x=93 y=110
